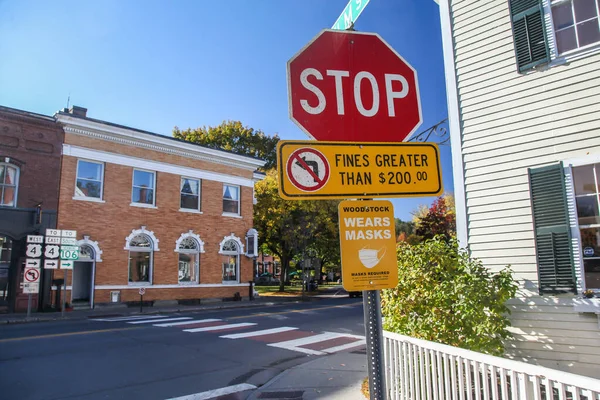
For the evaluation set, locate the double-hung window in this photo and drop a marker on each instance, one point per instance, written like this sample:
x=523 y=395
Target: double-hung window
x=575 y=23
x=231 y=199
x=9 y=182
x=190 y=194
x=143 y=192
x=586 y=183
x=547 y=30
x=90 y=176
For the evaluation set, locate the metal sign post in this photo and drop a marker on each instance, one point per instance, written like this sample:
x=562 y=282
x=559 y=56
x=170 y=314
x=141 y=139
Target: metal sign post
x=62 y=309
x=373 y=331
x=29 y=306
x=142 y=292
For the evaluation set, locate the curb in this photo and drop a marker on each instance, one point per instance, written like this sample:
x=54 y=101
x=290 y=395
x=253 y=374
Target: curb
x=72 y=317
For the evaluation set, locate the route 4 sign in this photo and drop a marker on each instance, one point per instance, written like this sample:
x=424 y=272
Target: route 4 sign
x=52 y=251
x=33 y=250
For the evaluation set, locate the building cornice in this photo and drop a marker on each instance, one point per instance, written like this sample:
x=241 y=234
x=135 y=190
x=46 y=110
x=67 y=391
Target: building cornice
x=130 y=137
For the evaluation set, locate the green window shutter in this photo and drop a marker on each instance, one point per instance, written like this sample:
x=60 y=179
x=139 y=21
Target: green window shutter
x=552 y=232
x=529 y=33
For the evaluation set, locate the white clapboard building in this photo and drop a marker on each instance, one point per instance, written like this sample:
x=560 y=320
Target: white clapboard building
x=523 y=86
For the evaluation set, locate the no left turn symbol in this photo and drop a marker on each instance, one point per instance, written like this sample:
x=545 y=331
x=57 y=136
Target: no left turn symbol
x=32 y=275
x=308 y=169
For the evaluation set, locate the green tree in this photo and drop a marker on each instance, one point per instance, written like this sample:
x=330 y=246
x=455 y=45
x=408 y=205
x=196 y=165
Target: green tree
x=233 y=136
x=445 y=296
x=290 y=229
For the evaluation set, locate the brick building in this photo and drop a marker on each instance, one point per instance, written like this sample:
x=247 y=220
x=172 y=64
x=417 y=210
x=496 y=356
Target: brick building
x=30 y=156
x=155 y=212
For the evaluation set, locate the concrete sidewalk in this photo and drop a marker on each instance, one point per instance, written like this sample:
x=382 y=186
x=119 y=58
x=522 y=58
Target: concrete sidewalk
x=122 y=310
x=335 y=377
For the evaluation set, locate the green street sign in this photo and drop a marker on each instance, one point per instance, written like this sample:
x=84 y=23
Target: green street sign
x=350 y=14
x=69 y=253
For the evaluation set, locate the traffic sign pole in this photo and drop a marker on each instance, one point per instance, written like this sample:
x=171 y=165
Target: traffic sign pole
x=66 y=275
x=29 y=306
x=373 y=332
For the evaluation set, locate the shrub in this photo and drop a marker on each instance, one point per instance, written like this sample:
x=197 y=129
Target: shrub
x=445 y=296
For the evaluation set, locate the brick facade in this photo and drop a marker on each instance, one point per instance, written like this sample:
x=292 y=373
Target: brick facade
x=33 y=143
x=110 y=222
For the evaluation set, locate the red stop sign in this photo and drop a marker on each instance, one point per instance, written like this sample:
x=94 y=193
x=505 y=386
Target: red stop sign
x=352 y=86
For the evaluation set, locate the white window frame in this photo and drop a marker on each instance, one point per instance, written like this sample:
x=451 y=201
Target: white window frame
x=239 y=201
x=84 y=198
x=17 y=180
x=192 y=210
x=151 y=263
x=154 y=240
x=200 y=250
x=240 y=250
x=571 y=55
x=577 y=247
x=135 y=204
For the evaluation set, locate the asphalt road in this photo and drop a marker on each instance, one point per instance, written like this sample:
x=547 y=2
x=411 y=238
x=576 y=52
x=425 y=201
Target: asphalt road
x=131 y=358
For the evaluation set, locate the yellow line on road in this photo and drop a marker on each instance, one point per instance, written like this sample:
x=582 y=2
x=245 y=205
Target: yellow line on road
x=266 y=314
x=65 y=334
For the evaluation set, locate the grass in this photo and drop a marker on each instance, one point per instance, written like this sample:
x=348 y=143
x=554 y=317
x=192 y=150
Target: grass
x=287 y=291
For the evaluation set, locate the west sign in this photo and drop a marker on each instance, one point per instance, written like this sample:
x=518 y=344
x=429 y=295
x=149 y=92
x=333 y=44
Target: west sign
x=310 y=170
x=352 y=86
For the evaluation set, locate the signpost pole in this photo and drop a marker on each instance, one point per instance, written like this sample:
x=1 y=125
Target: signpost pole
x=62 y=310
x=29 y=306
x=373 y=330
x=141 y=301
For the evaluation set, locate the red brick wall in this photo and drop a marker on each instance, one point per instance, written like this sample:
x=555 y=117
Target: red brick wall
x=36 y=144
x=111 y=222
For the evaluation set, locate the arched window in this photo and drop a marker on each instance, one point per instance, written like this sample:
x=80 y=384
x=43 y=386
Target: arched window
x=231 y=248
x=141 y=251
x=9 y=183
x=189 y=246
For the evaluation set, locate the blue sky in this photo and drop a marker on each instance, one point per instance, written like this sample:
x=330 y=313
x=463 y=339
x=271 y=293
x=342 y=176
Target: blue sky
x=154 y=64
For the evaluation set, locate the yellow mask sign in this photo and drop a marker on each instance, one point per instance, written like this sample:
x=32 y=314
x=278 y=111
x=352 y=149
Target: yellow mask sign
x=368 y=245
x=339 y=170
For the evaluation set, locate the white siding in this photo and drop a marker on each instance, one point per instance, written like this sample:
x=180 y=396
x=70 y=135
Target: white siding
x=511 y=122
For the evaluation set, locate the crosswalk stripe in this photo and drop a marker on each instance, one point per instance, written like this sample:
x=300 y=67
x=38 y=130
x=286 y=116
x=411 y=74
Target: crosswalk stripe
x=194 y=321
x=162 y=320
x=345 y=346
x=131 y=318
x=219 y=327
x=258 y=333
x=212 y=394
x=295 y=344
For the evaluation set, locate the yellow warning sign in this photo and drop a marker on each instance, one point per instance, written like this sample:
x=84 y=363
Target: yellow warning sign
x=368 y=245
x=310 y=170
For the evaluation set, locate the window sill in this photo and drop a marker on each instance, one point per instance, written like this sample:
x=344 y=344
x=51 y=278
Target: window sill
x=90 y=199
x=584 y=305
x=189 y=210
x=231 y=215
x=230 y=283
x=139 y=284
x=574 y=55
x=188 y=283
x=142 y=205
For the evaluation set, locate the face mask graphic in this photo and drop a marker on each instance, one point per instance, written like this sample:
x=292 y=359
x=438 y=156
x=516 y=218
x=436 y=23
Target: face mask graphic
x=370 y=257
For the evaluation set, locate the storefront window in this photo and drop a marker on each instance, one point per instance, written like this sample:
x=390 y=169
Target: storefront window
x=140 y=259
x=189 y=260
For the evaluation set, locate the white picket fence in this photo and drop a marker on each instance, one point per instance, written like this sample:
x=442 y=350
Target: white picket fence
x=421 y=370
